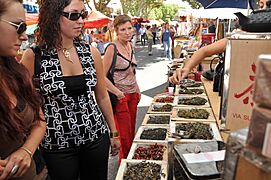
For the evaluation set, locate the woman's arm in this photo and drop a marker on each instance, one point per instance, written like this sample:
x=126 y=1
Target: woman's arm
x=103 y=100
x=22 y=157
x=198 y=56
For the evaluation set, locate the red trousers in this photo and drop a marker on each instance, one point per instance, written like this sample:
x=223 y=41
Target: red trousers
x=125 y=120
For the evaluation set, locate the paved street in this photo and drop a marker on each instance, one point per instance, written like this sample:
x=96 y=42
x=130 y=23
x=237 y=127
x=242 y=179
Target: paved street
x=152 y=78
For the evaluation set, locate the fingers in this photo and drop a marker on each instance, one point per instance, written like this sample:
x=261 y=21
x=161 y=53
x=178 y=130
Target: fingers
x=115 y=146
x=3 y=164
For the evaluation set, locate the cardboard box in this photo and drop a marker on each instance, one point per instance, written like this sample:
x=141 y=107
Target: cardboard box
x=239 y=77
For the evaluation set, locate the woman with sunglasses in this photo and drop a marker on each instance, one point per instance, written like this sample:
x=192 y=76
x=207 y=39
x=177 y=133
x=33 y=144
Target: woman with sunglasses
x=126 y=87
x=21 y=123
x=77 y=108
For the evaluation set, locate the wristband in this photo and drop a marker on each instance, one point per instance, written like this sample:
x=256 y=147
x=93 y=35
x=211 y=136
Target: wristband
x=28 y=151
x=114 y=134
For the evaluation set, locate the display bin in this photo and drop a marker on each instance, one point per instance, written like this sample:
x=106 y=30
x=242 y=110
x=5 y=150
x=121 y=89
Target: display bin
x=158 y=105
x=177 y=98
x=148 y=116
x=142 y=128
x=177 y=89
x=175 y=116
x=213 y=127
x=125 y=162
x=135 y=145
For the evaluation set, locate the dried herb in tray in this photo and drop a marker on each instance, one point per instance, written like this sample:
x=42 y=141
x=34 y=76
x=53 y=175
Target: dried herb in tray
x=158 y=120
x=154 y=134
x=164 y=108
x=165 y=99
x=184 y=90
x=151 y=152
x=194 y=131
x=143 y=170
x=192 y=101
x=193 y=113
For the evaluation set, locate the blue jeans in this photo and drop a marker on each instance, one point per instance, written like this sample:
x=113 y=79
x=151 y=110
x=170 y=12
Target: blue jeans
x=167 y=49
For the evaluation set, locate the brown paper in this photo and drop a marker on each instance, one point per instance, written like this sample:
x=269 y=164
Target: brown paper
x=260 y=118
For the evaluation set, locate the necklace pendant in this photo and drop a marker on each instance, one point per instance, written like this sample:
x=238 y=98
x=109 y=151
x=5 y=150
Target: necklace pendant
x=67 y=55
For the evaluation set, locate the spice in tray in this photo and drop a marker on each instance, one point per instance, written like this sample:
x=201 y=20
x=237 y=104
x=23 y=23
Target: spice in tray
x=163 y=108
x=192 y=101
x=194 y=131
x=143 y=170
x=167 y=99
x=191 y=84
x=154 y=134
x=193 y=113
x=158 y=120
x=184 y=90
x=151 y=152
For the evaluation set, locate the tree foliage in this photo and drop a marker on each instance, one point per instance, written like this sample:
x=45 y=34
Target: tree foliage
x=100 y=5
x=194 y=4
x=140 y=8
x=166 y=12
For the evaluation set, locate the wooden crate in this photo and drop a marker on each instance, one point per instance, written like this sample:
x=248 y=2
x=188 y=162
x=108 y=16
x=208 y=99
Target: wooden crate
x=147 y=117
x=176 y=99
x=150 y=110
x=135 y=145
x=213 y=126
x=124 y=162
x=142 y=128
x=175 y=116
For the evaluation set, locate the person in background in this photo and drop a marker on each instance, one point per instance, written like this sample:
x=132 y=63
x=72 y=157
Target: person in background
x=154 y=31
x=110 y=34
x=126 y=87
x=166 y=41
x=142 y=32
x=22 y=125
x=211 y=28
x=77 y=107
x=199 y=55
x=150 y=39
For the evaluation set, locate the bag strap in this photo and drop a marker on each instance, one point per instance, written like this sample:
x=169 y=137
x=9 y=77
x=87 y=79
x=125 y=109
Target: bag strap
x=112 y=67
x=37 y=59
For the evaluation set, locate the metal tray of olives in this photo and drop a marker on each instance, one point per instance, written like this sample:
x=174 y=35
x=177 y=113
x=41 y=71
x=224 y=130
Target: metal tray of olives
x=161 y=150
x=160 y=108
x=158 y=139
x=202 y=99
x=156 y=119
x=125 y=163
x=213 y=129
x=202 y=116
x=163 y=99
x=194 y=91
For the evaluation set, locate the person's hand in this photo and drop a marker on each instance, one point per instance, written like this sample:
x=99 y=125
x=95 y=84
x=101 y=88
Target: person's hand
x=3 y=164
x=120 y=95
x=178 y=75
x=15 y=165
x=115 y=145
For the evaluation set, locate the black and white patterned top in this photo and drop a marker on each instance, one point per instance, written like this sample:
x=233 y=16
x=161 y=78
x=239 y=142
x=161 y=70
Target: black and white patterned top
x=71 y=121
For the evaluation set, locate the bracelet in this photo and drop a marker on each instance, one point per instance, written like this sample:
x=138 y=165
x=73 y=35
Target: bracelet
x=28 y=151
x=114 y=134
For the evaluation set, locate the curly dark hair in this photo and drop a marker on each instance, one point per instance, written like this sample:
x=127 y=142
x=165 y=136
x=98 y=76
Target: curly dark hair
x=15 y=79
x=49 y=16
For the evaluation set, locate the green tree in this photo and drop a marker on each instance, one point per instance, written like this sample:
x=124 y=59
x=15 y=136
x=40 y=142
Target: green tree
x=166 y=12
x=194 y=4
x=100 y=5
x=140 y=8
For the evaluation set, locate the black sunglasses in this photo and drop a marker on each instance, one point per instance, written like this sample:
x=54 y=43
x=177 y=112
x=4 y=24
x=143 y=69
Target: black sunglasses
x=21 y=26
x=74 y=16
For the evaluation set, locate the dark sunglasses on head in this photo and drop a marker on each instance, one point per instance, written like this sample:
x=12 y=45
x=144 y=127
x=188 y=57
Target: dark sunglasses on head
x=21 y=26
x=74 y=16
